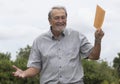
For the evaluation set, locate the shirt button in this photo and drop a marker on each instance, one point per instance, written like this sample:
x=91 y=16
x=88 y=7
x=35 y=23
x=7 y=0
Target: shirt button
x=59 y=57
x=60 y=76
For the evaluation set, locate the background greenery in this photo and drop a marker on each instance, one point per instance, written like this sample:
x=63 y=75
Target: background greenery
x=96 y=72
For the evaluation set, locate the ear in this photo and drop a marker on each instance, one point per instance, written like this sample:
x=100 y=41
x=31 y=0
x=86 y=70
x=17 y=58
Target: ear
x=49 y=21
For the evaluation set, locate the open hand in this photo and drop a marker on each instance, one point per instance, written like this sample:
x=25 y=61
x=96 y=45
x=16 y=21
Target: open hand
x=19 y=73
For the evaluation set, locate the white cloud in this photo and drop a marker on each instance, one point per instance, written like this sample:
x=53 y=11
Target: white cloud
x=21 y=21
x=19 y=31
x=18 y=36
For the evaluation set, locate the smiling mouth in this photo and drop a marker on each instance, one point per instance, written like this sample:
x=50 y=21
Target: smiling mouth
x=60 y=25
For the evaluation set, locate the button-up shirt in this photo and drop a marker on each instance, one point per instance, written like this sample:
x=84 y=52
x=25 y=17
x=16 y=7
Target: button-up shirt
x=59 y=60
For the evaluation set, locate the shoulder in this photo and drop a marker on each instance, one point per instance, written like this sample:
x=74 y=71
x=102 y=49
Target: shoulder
x=76 y=34
x=42 y=36
x=73 y=31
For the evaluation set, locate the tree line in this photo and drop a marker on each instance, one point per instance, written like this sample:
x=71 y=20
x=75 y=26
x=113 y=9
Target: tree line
x=96 y=72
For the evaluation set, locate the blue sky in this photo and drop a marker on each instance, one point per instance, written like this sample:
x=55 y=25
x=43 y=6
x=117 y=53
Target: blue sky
x=21 y=21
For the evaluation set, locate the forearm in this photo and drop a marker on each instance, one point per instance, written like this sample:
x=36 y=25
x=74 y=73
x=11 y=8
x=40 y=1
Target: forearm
x=30 y=72
x=95 y=53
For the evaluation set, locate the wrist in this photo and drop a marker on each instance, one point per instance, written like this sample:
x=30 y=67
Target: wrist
x=97 y=41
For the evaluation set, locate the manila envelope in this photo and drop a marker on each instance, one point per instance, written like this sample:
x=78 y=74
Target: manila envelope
x=99 y=17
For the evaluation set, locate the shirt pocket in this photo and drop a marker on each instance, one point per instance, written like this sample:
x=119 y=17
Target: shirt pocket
x=71 y=51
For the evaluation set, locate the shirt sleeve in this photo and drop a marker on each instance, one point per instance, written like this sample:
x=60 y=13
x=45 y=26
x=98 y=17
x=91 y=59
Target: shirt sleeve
x=35 y=56
x=85 y=46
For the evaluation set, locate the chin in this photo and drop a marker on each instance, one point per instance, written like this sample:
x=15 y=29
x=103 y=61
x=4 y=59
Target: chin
x=60 y=29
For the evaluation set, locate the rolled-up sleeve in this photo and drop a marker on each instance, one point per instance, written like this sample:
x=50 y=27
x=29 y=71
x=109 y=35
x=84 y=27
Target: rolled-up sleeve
x=85 y=46
x=35 y=56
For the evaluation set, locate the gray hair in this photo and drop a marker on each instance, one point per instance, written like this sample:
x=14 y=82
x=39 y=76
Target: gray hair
x=56 y=7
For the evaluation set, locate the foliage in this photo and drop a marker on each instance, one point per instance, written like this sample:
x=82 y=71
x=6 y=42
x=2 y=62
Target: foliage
x=21 y=61
x=116 y=64
x=23 y=53
x=5 y=68
x=5 y=56
x=96 y=72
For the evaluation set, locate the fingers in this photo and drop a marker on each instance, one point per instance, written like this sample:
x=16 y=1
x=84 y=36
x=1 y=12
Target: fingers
x=99 y=34
x=18 y=72
x=99 y=30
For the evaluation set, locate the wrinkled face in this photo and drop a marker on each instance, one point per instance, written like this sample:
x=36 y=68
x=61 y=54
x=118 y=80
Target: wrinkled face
x=58 y=20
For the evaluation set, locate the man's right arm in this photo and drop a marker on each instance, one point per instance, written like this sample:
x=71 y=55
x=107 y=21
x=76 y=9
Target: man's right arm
x=30 y=72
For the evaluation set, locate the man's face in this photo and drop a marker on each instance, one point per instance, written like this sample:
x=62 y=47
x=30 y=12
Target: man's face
x=58 y=20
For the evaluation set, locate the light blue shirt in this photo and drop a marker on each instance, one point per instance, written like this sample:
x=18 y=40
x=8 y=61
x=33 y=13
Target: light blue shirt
x=59 y=60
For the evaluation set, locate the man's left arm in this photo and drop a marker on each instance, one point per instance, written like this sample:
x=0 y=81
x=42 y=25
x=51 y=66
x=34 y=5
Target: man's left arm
x=95 y=53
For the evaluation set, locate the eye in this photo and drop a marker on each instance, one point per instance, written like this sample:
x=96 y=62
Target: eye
x=63 y=17
x=59 y=17
x=56 y=18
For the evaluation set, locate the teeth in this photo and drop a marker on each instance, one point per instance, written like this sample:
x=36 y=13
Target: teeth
x=60 y=25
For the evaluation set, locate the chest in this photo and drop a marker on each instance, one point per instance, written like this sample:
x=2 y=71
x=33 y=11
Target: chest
x=63 y=47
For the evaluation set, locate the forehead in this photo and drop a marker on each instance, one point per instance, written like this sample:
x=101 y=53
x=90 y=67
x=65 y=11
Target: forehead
x=58 y=12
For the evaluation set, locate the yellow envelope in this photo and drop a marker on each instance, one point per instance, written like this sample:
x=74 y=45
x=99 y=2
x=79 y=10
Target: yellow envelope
x=99 y=17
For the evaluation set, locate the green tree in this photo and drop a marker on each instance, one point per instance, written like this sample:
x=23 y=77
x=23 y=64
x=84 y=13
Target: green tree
x=5 y=68
x=23 y=53
x=116 y=64
x=21 y=62
x=5 y=56
x=98 y=72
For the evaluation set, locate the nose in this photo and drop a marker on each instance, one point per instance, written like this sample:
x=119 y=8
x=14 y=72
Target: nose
x=60 y=20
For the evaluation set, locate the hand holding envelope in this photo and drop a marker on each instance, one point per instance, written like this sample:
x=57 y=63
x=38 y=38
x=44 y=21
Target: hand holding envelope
x=99 y=17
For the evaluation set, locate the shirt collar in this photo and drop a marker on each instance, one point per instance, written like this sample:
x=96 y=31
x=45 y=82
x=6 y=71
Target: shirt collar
x=52 y=36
